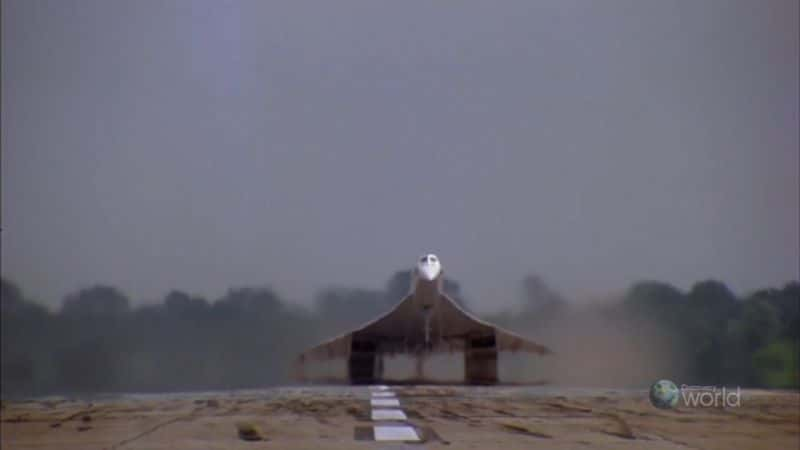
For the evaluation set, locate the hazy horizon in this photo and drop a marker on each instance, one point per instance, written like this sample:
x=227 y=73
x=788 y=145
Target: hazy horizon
x=206 y=145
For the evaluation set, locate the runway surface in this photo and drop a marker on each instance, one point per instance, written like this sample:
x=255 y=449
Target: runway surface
x=398 y=417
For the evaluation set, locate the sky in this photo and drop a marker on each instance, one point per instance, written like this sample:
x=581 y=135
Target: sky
x=206 y=144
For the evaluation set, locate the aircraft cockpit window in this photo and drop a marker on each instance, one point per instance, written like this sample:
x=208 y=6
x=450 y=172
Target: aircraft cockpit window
x=432 y=258
x=424 y=259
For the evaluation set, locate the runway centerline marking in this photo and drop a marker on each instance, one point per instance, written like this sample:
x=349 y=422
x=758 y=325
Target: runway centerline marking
x=394 y=426
x=383 y=394
x=384 y=402
x=388 y=414
x=395 y=433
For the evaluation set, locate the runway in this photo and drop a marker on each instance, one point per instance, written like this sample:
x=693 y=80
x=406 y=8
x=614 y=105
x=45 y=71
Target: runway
x=397 y=417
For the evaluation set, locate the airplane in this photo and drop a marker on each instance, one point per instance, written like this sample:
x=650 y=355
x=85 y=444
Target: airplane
x=425 y=339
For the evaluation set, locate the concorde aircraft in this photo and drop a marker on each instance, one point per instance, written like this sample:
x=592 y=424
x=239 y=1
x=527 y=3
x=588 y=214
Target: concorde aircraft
x=426 y=338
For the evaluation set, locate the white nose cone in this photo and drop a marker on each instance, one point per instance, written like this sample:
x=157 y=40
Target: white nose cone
x=429 y=267
x=429 y=273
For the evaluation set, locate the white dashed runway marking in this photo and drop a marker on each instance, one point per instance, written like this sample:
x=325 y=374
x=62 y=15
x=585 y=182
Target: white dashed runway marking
x=384 y=402
x=382 y=394
x=385 y=406
x=388 y=414
x=395 y=433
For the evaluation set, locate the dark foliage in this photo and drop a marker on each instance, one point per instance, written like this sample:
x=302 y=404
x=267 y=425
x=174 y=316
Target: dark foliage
x=248 y=338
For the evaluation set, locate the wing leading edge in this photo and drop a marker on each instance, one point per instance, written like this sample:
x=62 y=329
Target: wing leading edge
x=371 y=351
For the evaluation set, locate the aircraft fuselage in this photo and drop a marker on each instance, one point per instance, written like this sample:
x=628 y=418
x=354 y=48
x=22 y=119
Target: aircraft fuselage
x=427 y=282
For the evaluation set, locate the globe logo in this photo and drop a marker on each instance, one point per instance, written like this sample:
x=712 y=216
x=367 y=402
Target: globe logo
x=664 y=394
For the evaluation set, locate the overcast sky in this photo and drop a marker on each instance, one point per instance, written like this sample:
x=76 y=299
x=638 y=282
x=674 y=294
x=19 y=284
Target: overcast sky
x=206 y=144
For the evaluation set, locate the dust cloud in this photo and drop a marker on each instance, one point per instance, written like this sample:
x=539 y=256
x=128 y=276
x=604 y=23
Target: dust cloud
x=593 y=346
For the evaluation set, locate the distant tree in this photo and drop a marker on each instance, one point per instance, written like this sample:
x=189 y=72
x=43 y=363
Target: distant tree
x=786 y=303
x=537 y=294
x=249 y=337
x=26 y=335
x=539 y=298
x=96 y=301
x=9 y=292
x=248 y=301
x=777 y=364
x=755 y=326
x=182 y=304
x=17 y=372
x=712 y=301
x=93 y=364
x=341 y=309
x=13 y=303
x=654 y=296
x=453 y=290
x=758 y=324
x=712 y=311
x=398 y=285
x=661 y=304
x=11 y=299
x=451 y=287
x=789 y=311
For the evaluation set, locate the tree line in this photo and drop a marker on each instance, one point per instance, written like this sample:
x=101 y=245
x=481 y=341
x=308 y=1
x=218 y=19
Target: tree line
x=96 y=341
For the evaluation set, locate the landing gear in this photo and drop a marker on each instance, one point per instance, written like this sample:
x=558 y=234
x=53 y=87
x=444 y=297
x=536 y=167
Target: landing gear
x=361 y=364
x=481 y=360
